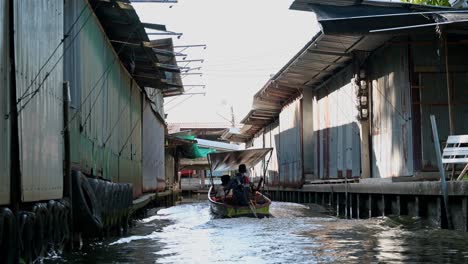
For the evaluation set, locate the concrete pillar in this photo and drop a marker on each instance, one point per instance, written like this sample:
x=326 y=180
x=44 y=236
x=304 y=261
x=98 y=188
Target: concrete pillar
x=416 y=206
x=465 y=213
x=384 y=207
x=439 y=212
x=337 y=202
x=358 y=206
x=308 y=147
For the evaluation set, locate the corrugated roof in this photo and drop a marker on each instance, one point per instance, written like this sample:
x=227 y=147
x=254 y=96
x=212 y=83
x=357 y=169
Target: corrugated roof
x=137 y=53
x=347 y=26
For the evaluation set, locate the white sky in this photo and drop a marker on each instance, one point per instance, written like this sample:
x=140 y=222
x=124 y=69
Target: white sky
x=247 y=41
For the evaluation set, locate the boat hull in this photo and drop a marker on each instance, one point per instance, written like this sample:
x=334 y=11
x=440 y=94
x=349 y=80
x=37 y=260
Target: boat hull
x=226 y=210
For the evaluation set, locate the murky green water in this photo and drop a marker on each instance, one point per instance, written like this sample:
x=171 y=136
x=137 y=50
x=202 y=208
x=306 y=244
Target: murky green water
x=188 y=233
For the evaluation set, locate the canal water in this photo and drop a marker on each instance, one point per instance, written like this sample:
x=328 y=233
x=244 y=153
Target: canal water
x=188 y=233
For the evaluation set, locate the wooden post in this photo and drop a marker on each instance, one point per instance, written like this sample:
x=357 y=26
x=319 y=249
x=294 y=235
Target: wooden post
x=449 y=92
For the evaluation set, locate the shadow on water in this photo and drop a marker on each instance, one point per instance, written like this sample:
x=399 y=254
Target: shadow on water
x=295 y=233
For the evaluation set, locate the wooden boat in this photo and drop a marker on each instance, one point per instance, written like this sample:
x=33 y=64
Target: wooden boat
x=258 y=205
x=224 y=207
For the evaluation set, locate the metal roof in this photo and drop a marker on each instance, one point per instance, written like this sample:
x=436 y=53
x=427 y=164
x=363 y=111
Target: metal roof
x=347 y=26
x=137 y=53
x=230 y=160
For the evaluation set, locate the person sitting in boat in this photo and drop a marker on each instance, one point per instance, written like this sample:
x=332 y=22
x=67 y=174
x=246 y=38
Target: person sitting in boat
x=221 y=189
x=241 y=186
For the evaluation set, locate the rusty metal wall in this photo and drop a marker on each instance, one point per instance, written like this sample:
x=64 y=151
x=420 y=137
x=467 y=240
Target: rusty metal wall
x=337 y=129
x=271 y=141
x=391 y=127
x=153 y=151
x=4 y=105
x=38 y=32
x=290 y=150
x=106 y=103
x=258 y=142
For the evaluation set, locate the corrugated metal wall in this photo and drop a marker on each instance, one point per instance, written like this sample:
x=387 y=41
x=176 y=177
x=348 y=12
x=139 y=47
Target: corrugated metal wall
x=257 y=170
x=432 y=92
x=153 y=151
x=391 y=128
x=337 y=129
x=4 y=105
x=156 y=96
x=106 y=135
x=271 y=141
x=290 y=158
x=38 y=32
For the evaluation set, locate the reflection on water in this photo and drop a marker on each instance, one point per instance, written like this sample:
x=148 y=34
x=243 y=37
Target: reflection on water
x=296 y=233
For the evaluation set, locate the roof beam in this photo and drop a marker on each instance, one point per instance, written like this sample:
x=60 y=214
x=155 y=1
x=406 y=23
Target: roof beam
x=328 y=53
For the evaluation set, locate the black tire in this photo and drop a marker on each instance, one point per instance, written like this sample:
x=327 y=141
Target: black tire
x=130 y=196
x=118 y=203
x=9 y=242
x=26 y=221
x=86 y=213
x=61 y=220
x=51 y=235
x=40 y=230
x=106 y=196
x=113 y=189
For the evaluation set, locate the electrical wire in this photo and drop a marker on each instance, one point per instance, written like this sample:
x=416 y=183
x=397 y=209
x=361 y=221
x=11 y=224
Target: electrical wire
x=36 y=91
x=54 y=51
x=95 y=85
x=180 y=102
x=133 y=129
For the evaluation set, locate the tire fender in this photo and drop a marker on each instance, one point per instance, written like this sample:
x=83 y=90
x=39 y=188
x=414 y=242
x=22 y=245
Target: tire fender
x=86 y=213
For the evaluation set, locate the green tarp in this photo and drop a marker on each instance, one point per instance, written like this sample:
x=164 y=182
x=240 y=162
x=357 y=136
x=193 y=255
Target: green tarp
x=194 y=151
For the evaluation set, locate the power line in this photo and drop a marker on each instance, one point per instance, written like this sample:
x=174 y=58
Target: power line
x=133 y=129
x=95 y=85
x=36 y=91
x=180 y=102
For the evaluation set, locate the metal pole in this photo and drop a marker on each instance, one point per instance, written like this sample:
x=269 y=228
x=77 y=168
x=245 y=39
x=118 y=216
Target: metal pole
x=441 y=167
x=67 y=181
x=15 y=170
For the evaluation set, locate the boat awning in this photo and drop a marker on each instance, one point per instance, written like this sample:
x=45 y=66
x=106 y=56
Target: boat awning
x=230 y=160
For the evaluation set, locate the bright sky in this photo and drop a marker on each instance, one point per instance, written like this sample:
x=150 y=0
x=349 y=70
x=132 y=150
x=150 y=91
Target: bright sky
x=247 y=41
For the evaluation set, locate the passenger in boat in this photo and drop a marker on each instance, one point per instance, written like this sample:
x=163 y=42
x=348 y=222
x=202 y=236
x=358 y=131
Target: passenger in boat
x=221 y=189
x=242 y=192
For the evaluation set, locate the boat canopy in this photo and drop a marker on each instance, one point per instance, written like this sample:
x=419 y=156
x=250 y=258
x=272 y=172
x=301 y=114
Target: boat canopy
x=230 y=160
